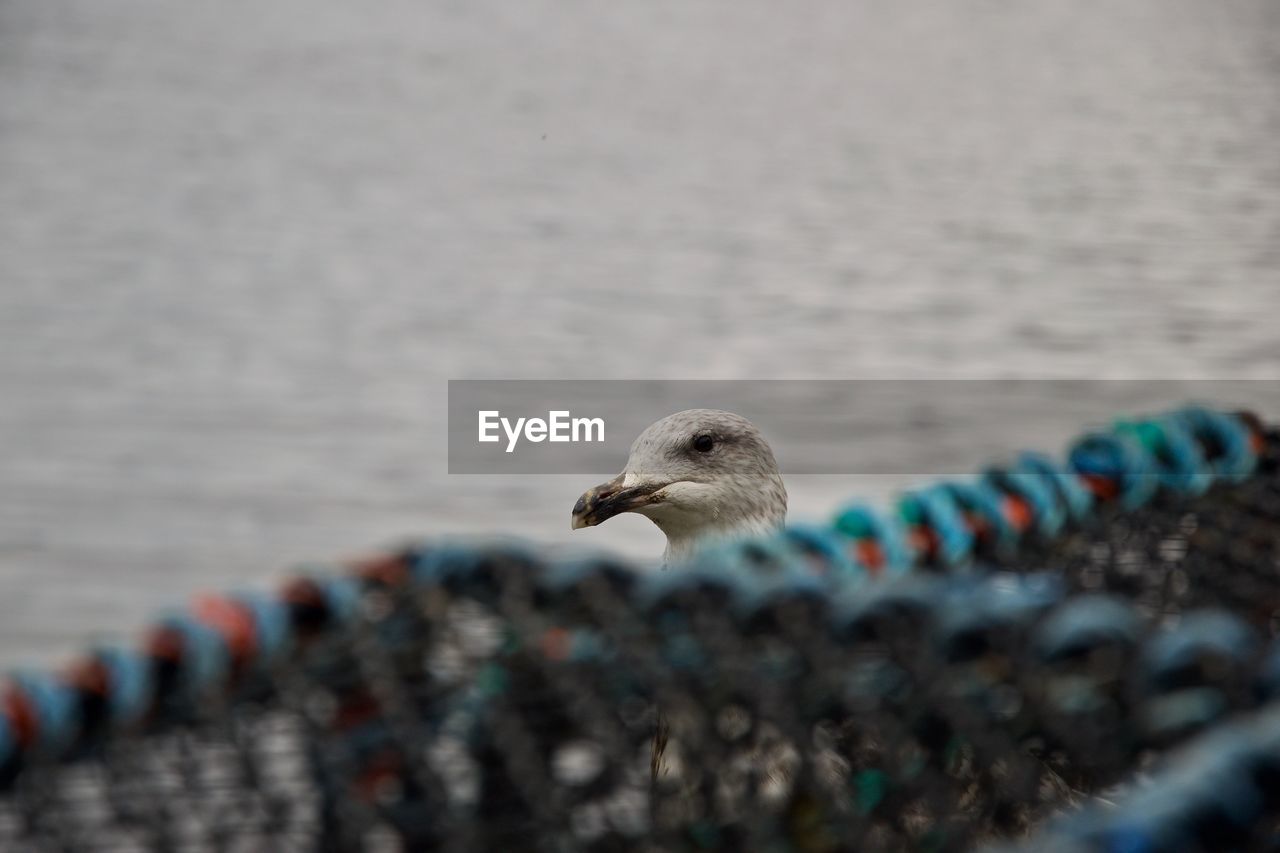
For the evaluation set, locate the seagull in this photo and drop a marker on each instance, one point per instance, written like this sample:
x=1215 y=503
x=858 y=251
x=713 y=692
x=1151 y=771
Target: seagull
x=701 y=475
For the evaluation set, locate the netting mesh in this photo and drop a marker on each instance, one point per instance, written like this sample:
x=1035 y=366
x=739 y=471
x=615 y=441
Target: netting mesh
x=791 y=694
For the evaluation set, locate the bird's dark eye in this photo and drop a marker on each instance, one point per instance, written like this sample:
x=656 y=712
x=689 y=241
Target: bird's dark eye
x=703 y=443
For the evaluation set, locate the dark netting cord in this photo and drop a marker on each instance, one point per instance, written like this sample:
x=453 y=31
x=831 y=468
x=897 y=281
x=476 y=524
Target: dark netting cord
x=990 y=662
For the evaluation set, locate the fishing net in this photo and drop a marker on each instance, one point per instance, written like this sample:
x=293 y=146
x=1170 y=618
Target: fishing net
x=987 y=662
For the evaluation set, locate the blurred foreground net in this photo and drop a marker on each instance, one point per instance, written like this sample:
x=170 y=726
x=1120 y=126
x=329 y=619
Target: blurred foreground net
x=953 y=673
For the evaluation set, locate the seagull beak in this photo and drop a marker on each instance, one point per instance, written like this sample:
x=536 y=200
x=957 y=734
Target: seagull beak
x=608 y=499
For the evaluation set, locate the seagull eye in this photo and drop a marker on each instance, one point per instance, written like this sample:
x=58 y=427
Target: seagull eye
x=703 y=443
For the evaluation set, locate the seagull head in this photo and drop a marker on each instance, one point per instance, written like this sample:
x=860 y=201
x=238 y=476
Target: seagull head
x=698 y=474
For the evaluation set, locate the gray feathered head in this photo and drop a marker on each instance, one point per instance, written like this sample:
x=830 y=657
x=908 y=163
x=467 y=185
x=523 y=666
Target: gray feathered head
x=698 y=474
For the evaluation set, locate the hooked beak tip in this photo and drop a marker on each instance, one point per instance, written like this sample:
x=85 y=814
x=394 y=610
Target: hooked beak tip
x=592 y=508
x=607 y=500
x=582 y=510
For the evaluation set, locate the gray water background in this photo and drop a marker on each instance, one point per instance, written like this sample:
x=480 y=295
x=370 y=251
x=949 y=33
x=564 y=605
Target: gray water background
x=243 y=245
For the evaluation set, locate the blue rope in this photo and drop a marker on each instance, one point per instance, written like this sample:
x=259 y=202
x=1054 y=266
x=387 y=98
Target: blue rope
x=984 y=499
x=1237 y=458
x=1087 y=622
x=1182 y=462
x=131 y=687
x=861 y=521
x=342 y=597
x=1076 y=501
x=207 y=660
x=828 y=549
x=56 y=708
x=8 y=744
x=271 y=623
x=1120 y=459
x=1206 y=633
x=1032 y=487
x=936 y=506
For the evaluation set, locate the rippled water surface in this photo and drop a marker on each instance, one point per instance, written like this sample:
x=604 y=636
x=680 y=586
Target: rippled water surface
x=244 y=244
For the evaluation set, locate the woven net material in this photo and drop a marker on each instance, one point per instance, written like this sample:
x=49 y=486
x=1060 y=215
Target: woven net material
x=1063 y=633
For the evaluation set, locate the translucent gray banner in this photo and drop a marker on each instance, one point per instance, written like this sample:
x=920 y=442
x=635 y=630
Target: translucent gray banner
x=814 y=426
